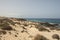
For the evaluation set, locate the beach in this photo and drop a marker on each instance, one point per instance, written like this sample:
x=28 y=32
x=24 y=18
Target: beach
x=21 y=29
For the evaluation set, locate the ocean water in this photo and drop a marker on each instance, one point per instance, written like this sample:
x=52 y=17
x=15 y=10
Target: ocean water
x=50 y=20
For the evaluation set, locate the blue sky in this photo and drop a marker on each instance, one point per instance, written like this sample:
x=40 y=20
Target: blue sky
x=30 y=8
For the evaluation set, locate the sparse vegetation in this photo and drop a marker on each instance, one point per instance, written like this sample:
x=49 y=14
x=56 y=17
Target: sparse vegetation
x=26 y=27
x=7 y=28
x=0 y=39
x=0 y=36
x=21 y=19
x=4 y=24
x=15 y=35
x=42 y=28
x=30 y=36
x=40 y=37
x=2 y=32
x=53 y=28
x=22 y=31
x=58 y=29
x=25 y=24
x=17 y=23
x=47 y=24
x=9 y=32
x=55 y=36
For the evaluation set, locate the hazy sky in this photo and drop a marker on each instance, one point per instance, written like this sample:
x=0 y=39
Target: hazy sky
x=30 y=8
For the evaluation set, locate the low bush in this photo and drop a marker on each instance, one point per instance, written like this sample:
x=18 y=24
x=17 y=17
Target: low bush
x=53 y=28
x=19 y=19
x=2 y=32
x=55 y=36
x=47 y=24
x=25 y=24
x=7 y=28
x=58 y=29
x=42 y=29
x=40 y=37
x=16 y=36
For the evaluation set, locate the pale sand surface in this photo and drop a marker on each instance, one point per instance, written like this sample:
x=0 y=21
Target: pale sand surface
x=18 y=35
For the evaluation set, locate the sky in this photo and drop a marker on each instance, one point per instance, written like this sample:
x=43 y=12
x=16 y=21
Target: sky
x=30 y=8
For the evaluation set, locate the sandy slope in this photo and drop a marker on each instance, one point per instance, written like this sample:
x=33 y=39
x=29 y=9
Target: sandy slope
x=25 y=32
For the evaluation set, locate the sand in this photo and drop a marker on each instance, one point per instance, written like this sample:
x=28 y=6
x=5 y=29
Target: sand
x=26 y=30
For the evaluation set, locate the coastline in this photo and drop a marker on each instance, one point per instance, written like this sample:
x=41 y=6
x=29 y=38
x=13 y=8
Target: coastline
x=49 y=20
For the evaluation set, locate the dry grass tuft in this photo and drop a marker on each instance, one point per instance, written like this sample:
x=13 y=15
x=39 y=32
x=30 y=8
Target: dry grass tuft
x=42 y=28
x=16 y=36
x=7 y=28
x=40 y=37
x=55 y=36
x=20 y=19
x=2 y=32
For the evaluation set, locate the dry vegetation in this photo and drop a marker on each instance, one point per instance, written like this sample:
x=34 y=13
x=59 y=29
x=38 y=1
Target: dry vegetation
x=20 y=19
x=40 y=37
x=2 y=32
x=7 y=28
x=42 y=28
x=24 y=27
x=48 y=24
x=51 y=26
x=4 y=23
x=55 y=36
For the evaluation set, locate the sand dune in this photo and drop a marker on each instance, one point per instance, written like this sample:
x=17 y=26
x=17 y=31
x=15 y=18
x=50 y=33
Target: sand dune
x=21 y=29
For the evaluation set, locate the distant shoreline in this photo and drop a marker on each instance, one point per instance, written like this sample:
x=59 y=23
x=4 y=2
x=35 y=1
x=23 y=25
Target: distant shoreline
x=55 y=21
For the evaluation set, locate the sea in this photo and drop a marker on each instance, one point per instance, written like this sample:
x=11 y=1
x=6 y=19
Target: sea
x=49 y=20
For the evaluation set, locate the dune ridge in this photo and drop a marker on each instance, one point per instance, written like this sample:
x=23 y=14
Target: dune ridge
x=21 y=29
